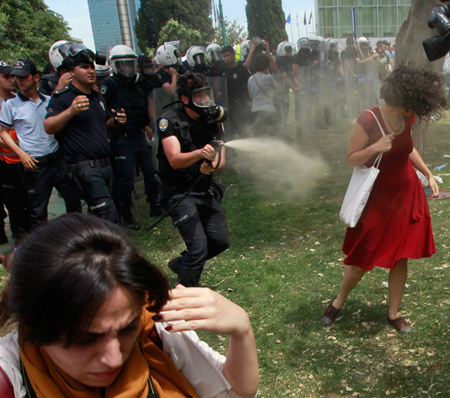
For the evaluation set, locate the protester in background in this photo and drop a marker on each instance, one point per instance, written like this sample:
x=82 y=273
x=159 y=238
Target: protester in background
x=261 y=86
x=395 y=224
x=95 y=318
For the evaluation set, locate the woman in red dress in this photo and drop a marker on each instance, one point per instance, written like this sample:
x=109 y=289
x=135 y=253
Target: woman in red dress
x=395 y=224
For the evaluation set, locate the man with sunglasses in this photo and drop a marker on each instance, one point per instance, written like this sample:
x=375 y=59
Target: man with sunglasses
x=79 y=118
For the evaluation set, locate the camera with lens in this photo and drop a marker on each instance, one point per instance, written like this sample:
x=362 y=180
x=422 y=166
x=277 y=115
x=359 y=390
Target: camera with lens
x=438 y=46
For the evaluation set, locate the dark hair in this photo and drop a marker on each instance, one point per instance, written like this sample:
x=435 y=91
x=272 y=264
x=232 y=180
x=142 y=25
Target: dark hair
x=414 y=88
x=48 y=69
x=228 y=49
x=261 y=62
x=63 y=272
x=189 y=82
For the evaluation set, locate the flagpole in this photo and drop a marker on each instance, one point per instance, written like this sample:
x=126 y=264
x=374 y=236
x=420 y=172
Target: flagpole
x=224 y=35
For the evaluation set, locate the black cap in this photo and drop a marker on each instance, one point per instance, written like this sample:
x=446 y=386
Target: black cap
x=23 y=67
x=5 y=68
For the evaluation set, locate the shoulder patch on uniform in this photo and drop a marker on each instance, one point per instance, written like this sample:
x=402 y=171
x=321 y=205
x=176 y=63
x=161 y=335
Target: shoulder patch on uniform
x=103 y=90
x=163 y=124
x=63 y=90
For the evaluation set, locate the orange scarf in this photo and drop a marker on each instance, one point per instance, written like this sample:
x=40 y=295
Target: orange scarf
x=49 y=382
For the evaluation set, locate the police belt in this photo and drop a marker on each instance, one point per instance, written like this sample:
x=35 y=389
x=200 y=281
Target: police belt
x=88 y=164
x=51 y=157
x=128 y=134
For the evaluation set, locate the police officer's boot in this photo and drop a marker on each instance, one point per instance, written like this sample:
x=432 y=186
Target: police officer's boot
x=129 y=221
x=156 y=210
x=3 y=237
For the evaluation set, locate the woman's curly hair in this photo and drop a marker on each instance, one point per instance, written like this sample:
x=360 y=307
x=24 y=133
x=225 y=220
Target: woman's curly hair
x=416 y=89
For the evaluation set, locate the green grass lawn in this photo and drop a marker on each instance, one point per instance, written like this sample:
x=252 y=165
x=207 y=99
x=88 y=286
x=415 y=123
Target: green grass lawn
x=285 y=265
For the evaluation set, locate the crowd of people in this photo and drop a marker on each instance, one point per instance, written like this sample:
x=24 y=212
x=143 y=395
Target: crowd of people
x=94 y=317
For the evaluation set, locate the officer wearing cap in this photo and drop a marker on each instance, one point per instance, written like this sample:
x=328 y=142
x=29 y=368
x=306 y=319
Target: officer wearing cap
x=38 y=152
x=129 y=90
x=13 y=188
x=184 y=152
x=79 y=117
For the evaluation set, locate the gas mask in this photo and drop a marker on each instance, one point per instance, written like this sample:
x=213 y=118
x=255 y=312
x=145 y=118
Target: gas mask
x=202 y=102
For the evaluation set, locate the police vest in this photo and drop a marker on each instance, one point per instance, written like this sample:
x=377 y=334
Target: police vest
x=192 y=135
x=130 y=96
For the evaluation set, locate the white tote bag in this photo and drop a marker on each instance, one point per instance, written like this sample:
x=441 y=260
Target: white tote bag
x=359 y=189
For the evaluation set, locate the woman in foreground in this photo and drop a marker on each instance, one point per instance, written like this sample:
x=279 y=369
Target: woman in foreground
x=395 y=224
x=96 y=319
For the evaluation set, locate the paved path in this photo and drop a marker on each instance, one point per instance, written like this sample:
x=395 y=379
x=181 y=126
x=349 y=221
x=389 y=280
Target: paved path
x=56 y=207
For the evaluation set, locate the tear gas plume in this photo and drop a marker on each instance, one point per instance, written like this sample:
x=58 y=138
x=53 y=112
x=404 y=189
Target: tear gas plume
x=276 y=165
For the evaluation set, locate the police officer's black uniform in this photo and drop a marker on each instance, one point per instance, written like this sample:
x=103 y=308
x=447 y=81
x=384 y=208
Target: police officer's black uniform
x=129 y=145
x=199 y=217
x=85 y=146
x=238 y=97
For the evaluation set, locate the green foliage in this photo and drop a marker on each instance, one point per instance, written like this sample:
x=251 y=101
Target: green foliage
x=233 y=31
x=154 y=15
x=28 y=29
x=266 y=19
x=175 y=31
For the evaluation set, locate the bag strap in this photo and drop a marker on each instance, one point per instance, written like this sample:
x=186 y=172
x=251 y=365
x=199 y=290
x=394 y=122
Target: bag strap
x=261 y=89
x=378 y=159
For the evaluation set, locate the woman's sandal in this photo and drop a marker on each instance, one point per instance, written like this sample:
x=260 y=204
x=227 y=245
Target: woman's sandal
x=400 y=325
x=330 y=313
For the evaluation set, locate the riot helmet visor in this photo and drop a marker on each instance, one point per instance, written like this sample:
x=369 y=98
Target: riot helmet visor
x=203 y=97
x=126 y=67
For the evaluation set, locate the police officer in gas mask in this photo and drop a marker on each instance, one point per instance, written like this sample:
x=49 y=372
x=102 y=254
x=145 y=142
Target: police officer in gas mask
x=189 y=154
x=128 y=90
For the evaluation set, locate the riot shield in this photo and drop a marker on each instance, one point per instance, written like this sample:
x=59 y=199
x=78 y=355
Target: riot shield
x=219 y=84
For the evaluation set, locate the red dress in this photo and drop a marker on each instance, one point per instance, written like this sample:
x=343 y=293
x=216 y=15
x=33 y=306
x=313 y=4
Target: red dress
x=396 y=221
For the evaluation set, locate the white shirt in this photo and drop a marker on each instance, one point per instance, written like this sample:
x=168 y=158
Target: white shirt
x=184 y=349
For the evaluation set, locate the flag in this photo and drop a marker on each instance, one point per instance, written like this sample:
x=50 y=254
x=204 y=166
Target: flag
x=304 y=19
x=288 y=20
x=310 y=18
x=297 y=19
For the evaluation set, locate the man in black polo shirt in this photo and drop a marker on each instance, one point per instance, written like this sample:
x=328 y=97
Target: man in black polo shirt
x=79 y=118
x=237 y=76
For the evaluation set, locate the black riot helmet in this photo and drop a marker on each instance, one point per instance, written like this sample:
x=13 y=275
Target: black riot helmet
x=78 y=54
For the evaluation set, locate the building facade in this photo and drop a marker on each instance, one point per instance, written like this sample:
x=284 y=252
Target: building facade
x=374 y=18
x=113 y=23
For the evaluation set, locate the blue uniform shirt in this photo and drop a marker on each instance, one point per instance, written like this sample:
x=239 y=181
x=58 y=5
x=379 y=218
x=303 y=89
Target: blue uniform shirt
x=27 y=118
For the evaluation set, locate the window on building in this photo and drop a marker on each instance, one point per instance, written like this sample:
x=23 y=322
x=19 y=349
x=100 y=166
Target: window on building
x=349 y=3
x=403 y=14
x=327 y=3
x=367 y=2
x=367 y=21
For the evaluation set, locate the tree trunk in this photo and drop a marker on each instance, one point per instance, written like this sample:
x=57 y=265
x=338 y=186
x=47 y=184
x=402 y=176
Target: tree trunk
x=408 y=47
